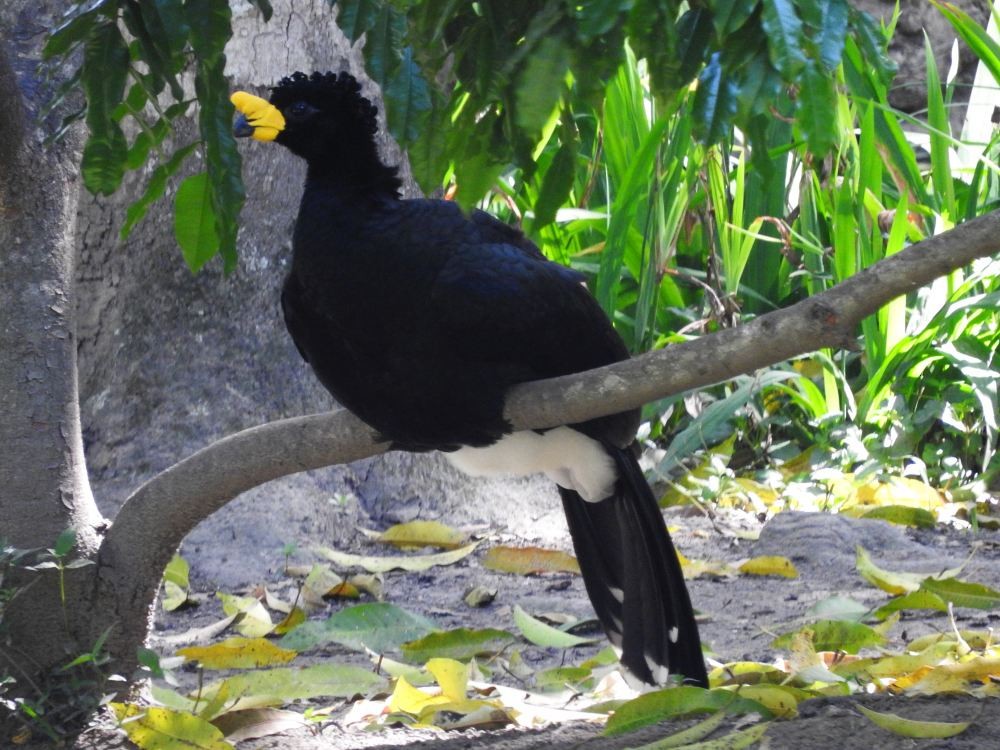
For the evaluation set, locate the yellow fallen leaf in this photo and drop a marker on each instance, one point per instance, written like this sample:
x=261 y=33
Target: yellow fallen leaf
x=255 y=623
x=529 y=560
x=912 y=727
x=770 y=565
x=238 y=653
x=411 y=700
x=451 y=675
x=415 y=534
x=781 y=700
x=292 y=620
x=153 y=727
x=948 y=678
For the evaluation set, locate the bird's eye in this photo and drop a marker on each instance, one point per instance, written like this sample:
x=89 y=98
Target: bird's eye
x=299 y=109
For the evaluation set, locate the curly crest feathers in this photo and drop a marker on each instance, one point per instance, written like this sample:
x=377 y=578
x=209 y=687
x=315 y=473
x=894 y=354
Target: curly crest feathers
x=340 y=90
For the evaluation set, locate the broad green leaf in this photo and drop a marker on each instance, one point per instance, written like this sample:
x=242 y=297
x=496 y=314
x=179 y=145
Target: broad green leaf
x=155 y=188
x=695 y=34
x=355 y=17
x=729 y=15
x=384 y=44
x=461 y=644
x=378 y=626
x=556 y=184
x=415 y=534
x=412 y=563
x=541 y=634
x=962 y=594
x=290 y=683
x=153 y=728
x=835 y=635
x=914 y=728
x=683 y=700
x=238 y=653
x=75 y=28
x=529 y=560
x=541 y=84
x=194 y=221
x=177 y=571
x=154 y=41
x=887 y=580
x=816 y=108
x=714 y=103
x=174 y=597
x=831 y=32
x=784 y=36
x=407 y=100
x=919 y=599
x=779 y=701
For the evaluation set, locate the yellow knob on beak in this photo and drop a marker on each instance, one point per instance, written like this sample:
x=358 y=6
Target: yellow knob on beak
x=258 y=117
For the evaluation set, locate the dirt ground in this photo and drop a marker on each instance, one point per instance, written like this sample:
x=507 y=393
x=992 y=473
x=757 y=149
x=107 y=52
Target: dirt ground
x=740 y=617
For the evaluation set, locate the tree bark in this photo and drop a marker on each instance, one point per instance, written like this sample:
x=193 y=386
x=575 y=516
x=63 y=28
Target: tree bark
x=43 y=482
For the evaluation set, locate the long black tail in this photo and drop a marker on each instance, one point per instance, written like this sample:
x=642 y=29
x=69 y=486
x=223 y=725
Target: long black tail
x=634 y=579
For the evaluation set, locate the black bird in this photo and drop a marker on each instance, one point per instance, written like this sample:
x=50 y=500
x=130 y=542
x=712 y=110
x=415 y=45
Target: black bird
x=418 y=317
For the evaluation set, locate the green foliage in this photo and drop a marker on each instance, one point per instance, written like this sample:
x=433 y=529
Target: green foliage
x=132 y=90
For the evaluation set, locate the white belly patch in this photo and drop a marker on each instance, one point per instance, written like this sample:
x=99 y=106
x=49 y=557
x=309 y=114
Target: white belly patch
x=569 y=458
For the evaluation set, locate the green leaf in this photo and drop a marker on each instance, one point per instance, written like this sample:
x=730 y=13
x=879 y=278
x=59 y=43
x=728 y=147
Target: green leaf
x=961 y=593
x=177 y=571
x=355 y=17
x=920 y=599
x=384 y=45
x=784 y=36
x=904 y=515
x=729 y=15
x=940 y=132
x=64 y=543
x=460 y=644
x=831 y=32
x=541 y=84
x=155 y=188
x=714 y=103
x=407 y=100
x=914 y=728
x=76 y=27
x=816 y=106
x=105 y=67
x=379 y=627
x=194 y=221
x=836 y=635
x=290 y=683
x=694 y=30
x=682 y=700
x=556 y=184
x=541 y=634
x=154 y=40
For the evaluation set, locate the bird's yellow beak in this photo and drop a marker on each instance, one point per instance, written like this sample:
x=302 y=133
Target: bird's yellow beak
x=258 y=117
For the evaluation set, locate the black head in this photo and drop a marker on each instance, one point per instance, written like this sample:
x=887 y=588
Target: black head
x=323 y=118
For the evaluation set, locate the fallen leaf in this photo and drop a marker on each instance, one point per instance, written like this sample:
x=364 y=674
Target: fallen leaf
x=770 y=565
x=903 y=515
x=154 y=728
x=202 y=634
x=256 y=621
x=238 y=653
x=912 y=727
x=415 y=534
x=254 y=723
x=460 y=643
x=378 y=626
x=541 y=634
x=479 y=596
x=292 y=683
x=683 y=700
x=411 y=563
x=529 y=560
x=292 y=620
x=961 y=593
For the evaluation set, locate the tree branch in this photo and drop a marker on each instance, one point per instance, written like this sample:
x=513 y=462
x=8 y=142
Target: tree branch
x=155 y=519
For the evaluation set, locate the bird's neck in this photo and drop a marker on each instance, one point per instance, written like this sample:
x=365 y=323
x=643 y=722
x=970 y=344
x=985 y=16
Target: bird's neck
x=358 y=174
